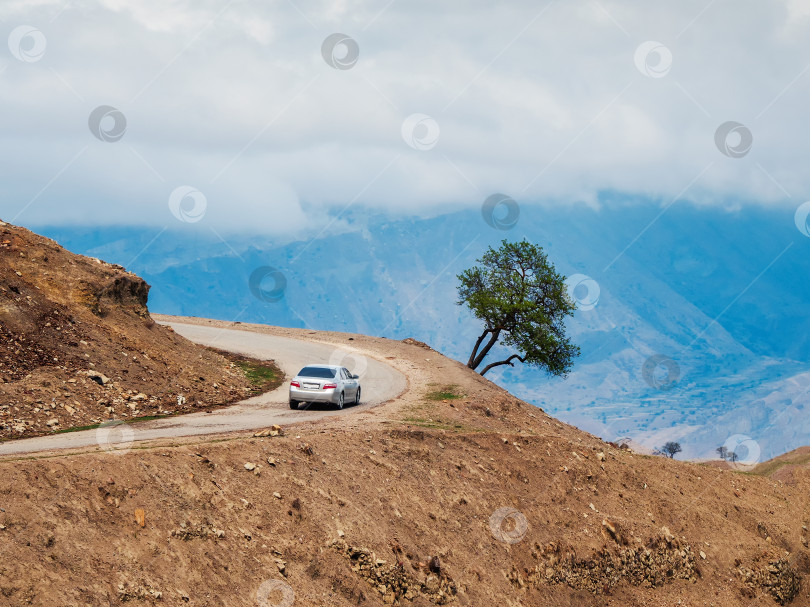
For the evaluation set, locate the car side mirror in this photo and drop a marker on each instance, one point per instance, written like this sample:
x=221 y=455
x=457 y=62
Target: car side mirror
x=355 y=377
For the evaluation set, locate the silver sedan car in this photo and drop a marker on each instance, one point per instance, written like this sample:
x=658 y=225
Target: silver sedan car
x=324 y=384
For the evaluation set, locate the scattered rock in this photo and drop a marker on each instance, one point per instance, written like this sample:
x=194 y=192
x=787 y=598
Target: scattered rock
x=99 y=378
x=777 y=579
x=392 y=582
x=140 y=517
x=659 y=562
x=188 y=532
x=250 y=466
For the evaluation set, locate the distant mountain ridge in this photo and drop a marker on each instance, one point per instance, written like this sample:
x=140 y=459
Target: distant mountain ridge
x=716 y=297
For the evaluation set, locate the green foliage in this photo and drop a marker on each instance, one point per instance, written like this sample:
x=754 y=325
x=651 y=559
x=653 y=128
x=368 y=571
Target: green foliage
x=444 y=393
x=523 y=302
x=262 y=376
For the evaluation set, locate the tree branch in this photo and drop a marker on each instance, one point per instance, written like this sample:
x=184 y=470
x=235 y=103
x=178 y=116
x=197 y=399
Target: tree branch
x=508 y=361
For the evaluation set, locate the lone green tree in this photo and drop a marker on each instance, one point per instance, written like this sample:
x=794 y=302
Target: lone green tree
x=523 y=302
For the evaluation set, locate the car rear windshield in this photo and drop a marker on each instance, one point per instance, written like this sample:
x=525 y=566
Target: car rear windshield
x=317 y=372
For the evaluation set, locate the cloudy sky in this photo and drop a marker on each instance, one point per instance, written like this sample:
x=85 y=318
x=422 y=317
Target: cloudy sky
x=255 y=115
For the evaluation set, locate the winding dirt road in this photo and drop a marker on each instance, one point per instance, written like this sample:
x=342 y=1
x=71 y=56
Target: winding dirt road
x=380 y=383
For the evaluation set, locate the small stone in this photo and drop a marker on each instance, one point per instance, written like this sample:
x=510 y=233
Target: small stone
x=702 y=554
x=271 y=461
x=340 y=533
x=140 y=516
x=99 y=378
x=250 y=466
x=600 y=456
x=432 y=583
x=276 y=495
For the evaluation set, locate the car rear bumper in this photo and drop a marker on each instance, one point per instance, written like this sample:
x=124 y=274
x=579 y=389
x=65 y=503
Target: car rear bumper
x=314 y=396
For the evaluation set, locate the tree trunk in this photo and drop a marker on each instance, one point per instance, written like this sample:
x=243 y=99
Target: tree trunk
x=480 y=356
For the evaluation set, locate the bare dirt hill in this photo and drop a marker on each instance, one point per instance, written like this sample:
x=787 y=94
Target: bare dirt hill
x=453 y=493
x=784 y=467
x=77 y=345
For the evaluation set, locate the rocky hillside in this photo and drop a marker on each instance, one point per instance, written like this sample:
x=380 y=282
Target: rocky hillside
x=78 y=347
x=454 y=493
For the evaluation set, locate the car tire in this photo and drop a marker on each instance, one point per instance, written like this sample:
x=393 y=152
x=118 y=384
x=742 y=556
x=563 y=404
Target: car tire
x=340 y=401
x=293 y=404
x=357 y=397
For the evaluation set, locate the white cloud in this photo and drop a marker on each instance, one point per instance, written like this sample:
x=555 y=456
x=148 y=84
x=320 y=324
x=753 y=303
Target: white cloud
x=536 y=102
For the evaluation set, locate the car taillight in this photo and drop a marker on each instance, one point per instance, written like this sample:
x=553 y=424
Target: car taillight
x=327 y=386
x=295 y=383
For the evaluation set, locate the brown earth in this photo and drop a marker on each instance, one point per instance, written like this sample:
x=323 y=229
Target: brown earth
x=784 y=467
x=453 y=493
x=63 y=318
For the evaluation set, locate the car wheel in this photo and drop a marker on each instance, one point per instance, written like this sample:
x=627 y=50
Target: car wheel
x=340 y=401
x=293 y=404
x=357 y=396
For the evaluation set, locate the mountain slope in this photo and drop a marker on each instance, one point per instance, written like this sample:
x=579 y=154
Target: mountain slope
x=454 y=493
x=78 y=346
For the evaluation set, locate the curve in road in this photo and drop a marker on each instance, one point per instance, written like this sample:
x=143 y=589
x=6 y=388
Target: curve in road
x=379 y=381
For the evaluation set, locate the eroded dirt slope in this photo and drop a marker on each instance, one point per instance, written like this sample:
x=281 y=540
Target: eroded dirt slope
x=77 y=345
x=453 y=493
